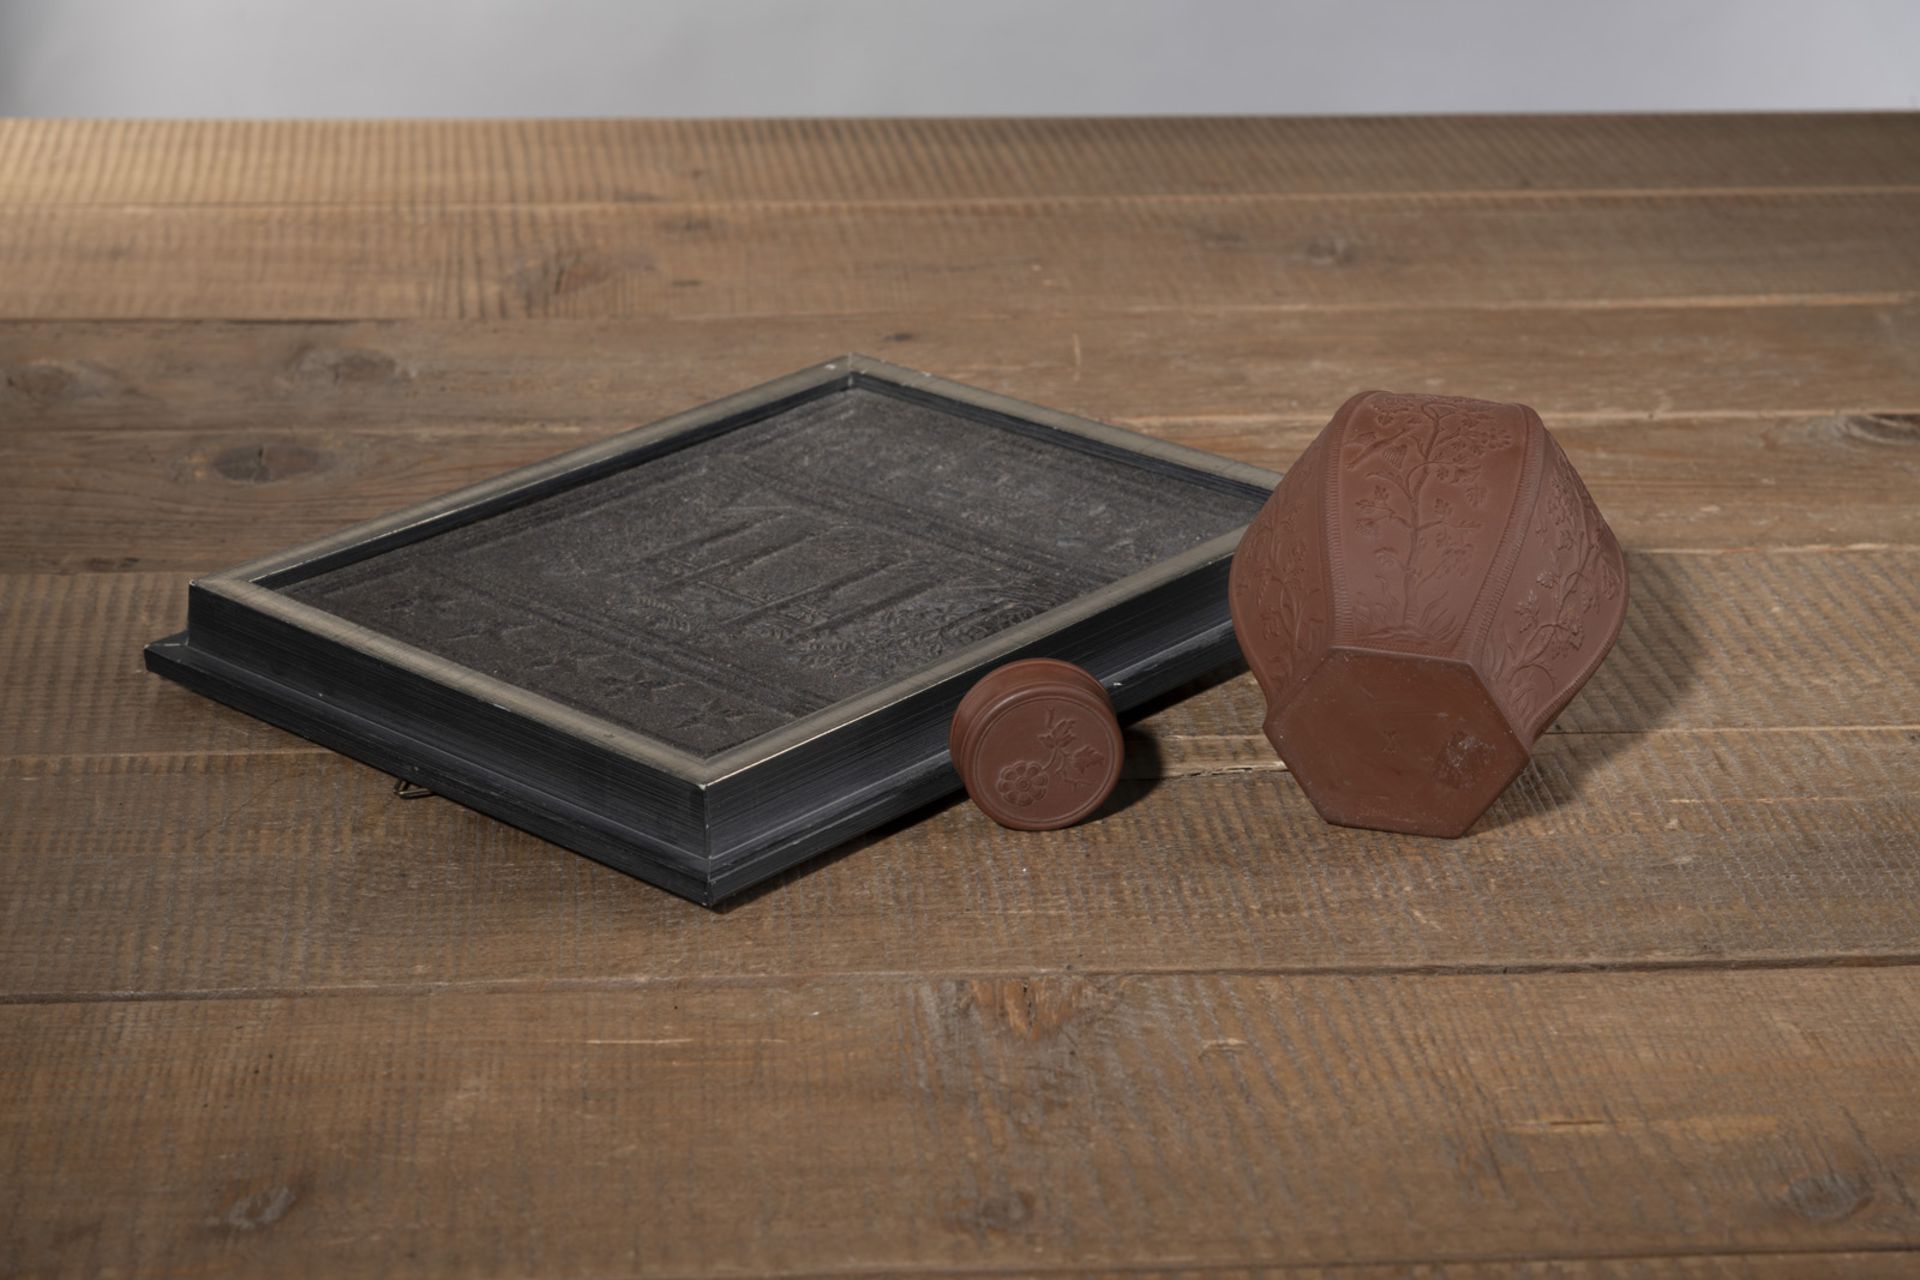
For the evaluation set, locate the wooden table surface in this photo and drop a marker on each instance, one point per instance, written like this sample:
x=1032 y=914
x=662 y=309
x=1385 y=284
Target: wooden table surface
x=1657 y=1015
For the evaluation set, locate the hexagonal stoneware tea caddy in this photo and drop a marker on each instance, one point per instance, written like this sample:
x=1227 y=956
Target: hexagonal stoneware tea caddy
x=1425 y=590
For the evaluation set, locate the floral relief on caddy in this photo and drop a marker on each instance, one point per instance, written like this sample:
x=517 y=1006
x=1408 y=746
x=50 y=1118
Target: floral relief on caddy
x=1065 y=759
x=1286 y=602
x=1422 y=463
x=1574 y=569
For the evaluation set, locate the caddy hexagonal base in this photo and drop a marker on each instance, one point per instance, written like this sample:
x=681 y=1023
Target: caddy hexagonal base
x=1397 y=742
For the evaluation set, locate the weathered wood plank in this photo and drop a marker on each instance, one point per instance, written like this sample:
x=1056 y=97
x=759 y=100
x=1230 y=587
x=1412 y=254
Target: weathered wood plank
x=983 y=1124
x=1204 y=363
x=192 y=501
x=641 y=162
x=303 y=872
x=1262 y=254
x=277 y=415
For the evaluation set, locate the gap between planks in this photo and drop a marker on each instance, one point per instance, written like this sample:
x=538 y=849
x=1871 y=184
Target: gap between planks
x=914 y=204
x=1464 y=1266
x=1650 y=302
x=1633 y=302
x=1036 y=973
x=1275 y=765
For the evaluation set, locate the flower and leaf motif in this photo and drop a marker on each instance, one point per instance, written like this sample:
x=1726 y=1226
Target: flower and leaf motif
x=1411 y=453
x=1068 y=760
x=1548 y=623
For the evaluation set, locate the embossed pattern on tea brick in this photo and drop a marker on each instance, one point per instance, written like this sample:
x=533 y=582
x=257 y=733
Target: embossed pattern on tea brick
x=720 y=591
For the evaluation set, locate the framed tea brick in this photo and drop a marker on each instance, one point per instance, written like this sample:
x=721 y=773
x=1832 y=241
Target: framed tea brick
x=707 y=649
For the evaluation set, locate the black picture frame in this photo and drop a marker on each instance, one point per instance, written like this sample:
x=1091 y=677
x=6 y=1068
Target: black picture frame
x=703 y=828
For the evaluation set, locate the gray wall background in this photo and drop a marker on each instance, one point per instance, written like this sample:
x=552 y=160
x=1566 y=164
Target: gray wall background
x=953 y=57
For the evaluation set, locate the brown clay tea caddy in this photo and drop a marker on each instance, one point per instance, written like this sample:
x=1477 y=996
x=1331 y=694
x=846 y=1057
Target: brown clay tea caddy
x=1425 y=590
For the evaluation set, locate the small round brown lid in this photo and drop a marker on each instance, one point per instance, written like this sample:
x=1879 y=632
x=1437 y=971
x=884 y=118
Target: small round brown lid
x=1037 y=744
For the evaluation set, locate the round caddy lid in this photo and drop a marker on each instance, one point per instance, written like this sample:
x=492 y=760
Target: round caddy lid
x=1037 y=744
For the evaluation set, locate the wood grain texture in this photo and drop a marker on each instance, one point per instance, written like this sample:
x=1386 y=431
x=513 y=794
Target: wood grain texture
x=316 y=262
x=1656 y=1016
x=303 y=872
x=1771 y=427
x=1205 y=363
x=640 y=163
x=970 y=1123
